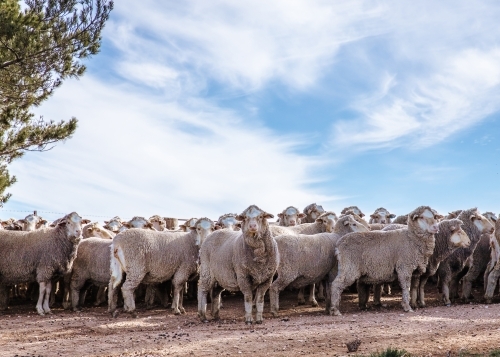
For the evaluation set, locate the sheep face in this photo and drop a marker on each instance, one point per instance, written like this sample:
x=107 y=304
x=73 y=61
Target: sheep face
x=203 y=227
x=458 y=237
x=188 y=224
x=381 y=216
x=253 y=220
x=95 y=230
x=428 y=220
x=32 y=222
x=290 y=216
x=114 y=225
x=491 y=217
x=354 y=226
x=228 y=221
x=315 y=211
x=139 y=222
x=158 y=223
x=482 y=223
x=353 y=209
x=73 y=224
x=328 y=219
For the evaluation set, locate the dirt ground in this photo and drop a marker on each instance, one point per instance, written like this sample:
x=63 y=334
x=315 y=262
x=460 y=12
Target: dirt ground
x=300 y=330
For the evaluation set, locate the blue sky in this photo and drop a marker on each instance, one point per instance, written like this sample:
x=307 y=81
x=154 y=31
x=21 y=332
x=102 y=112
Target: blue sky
x=203 y=108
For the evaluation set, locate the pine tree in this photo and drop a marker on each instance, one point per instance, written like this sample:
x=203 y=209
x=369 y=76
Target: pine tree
x=41 y=45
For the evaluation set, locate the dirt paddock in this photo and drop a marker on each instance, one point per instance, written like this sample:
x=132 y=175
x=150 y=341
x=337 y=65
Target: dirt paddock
x=300 y=330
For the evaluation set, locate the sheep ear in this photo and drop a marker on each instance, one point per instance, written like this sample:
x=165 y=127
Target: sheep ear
x=372 y=216
x=268 y=215
x=415 y=217
x=192 y=228
x=473 y=217
x=106 y=222
x=23 y=221
x=182 y=226
x=62 y=223
x=319 y=220
x=361 y=215
x=240 y=217
x=238 y=225
x=346 y=222
x=43 y=221
x=85 y=221
x=392 y=215
x=217 y=227
x=302 y=215
x=280 y=215
x=126 y=224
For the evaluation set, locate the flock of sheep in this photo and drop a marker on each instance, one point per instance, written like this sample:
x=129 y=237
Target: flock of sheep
x=159 y=260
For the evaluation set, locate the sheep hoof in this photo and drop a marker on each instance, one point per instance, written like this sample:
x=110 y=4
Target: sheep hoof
x=487 y=301
x=114 y=314
x=177 y=312
x=301 y=302
x=447 y=304
x=66 y=305
x=258 y=322
x=336 y=313
x=275 y=313
x=41 y=313
x=314 y=303
x=76 y=309
x=133 y=314
x=421 y=304
x=248 y=322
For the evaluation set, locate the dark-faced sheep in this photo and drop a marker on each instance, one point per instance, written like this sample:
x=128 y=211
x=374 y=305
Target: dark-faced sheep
x=380 y=257
x=38 y=256
x=243 y=261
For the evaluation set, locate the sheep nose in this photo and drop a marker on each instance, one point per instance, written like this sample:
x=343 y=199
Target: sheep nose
x=382 y=221
x=252 y=226
x=292 y=222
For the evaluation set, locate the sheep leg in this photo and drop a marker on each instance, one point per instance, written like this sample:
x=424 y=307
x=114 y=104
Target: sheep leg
x=339 y=284
x=259 y=300
x=421 y=290
x=76 y=287
x=363 y=295
x=202 y=303
x=472 y=274
x=301 y=297
x=377 y=294
x=132 y=281
x=274 y=291
x=46 y=299
x=415 y=282
x=150 y=296
x=492 y=284
x=179 y=283
x=112 y=298
x=41 y=294
x=312 y=296
x=101 y=296
x=405 y=283
x=216 y=294
x=321 y=291
x=4 y=297
x=388 y=289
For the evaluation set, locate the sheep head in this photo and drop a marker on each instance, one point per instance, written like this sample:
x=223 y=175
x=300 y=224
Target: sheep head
x=382 y=216
x=203 y=227
x=188 y=224
x=313 y=211
x=32 y=222
x=228 y=221
x=254 y=220
x=73 y=226
x=491 y=217
x=328 y=219
x=290 y=216
x=139 y=222
x=158 y=223
x=426 y=218
x=354 y=209
x=458 y=237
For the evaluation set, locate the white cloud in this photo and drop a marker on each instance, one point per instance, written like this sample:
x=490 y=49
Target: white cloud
x=136 y=155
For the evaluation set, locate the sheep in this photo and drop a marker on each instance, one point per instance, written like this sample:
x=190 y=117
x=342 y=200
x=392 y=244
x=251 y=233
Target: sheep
x=139 y=222
x=158 y=223
x=449 y=238
x=377 y=226
x=243 y=261
x=188 y=224
x=96 y=230
x=480 y=260
x=153 y=257
x=290 y=217
x=115 y=225
x=453 y=214
x=38 y=256
x=393 y=226
x=493 y=270
x=32 y=222
x=354 y=209
x=171 y=223
x=90 y=266
x=450 y=269
x=228 y=221
x=379 y=257
x=306 y=259
x=381 y=215
x=401 y=219
x=312 y=212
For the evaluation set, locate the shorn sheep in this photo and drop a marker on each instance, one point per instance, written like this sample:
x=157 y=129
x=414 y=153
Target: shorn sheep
x=243 y=261
x=307 y=259
x=291 y=216
x=382 y=216
x=312 y=212
x=39 y=256
x=152 y=257
x=450 y=269
x=380 y=257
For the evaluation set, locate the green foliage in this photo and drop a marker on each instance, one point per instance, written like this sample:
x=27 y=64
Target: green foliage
x=40 y=47
x=391 y=352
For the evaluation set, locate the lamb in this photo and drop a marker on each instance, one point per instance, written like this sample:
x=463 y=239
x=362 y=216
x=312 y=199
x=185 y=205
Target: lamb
x=381 y=215
x=96 y=230
x=480 y=260
x=306 y=259
x=90 y=266
x=229 y=260
x=401 y=219
x=290 y=217
x=153 y=257
x=312 y=212
x=354 y=209
x=450 y=270
x=171 y=223
x=158 y=223
x=379 y=257
x=449 y=238
x=38 y=256
x=493 y=271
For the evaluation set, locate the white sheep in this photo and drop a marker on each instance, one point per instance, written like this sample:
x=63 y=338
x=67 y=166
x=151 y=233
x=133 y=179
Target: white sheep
x=381 y=215
x=243 y=261
x=290 y=217
x=312 y=212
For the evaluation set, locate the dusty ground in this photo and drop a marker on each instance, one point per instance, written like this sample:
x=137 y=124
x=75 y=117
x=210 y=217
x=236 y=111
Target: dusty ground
x=300 y=330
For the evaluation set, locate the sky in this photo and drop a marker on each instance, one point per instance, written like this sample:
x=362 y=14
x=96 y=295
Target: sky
x=196 y=109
